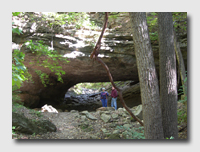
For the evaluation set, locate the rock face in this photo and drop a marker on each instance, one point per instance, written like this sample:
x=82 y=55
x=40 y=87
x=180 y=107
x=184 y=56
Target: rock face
x=117 y=52
x=131 y=95
x=81 y=102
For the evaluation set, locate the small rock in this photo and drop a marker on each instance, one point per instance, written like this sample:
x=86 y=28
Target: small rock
x=110 y=108
x=114 y=136
x=116 y=132
x=101 y=109
x=76 y=115
x=84 y=112
x=114 y=115
x=127 y=125
x=138 y=112
x=112 y=125
x=124 y=115
x=73 y=111
x=104 y=130
x=83 y=118
x=48 y=108
x=93 y=137
x=88 y=115
x=105 y=117
x=120 y=109
x=127 y=120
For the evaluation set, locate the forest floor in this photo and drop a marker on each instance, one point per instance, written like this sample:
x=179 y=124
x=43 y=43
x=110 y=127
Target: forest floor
x=71 y=125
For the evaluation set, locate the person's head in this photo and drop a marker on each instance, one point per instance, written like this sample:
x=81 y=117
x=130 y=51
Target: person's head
x=103 y=89
x=113 y=88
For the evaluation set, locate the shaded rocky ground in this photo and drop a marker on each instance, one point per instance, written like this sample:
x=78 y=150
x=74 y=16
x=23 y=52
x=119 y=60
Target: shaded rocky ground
x=105 y=123
x=102 y=124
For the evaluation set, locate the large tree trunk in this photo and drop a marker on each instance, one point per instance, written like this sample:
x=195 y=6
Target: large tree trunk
x=168 y=77
x=147 y=75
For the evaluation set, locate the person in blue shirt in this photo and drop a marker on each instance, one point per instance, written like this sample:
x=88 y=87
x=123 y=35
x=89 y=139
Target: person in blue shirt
x=104 y=96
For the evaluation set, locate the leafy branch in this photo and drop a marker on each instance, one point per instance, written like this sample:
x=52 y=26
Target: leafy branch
x=39 y=48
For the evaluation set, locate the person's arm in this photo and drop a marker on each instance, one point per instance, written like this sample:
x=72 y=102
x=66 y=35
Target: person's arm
x=107 y=94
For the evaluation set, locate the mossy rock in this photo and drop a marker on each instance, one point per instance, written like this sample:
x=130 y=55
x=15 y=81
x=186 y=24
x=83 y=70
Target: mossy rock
x=114 y=136
x=27 y=126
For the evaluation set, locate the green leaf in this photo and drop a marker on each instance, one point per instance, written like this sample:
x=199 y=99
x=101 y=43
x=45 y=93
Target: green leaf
x=16 y=30
x=15 y=13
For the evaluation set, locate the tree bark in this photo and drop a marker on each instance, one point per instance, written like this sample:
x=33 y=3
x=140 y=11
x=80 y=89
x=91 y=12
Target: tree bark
x=147 y=75
x=168 y=76
x=181 y=64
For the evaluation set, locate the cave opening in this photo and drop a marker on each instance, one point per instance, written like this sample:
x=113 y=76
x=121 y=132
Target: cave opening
x=86 y=96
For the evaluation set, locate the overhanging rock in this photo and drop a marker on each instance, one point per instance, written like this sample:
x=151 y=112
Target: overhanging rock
x=117 y=52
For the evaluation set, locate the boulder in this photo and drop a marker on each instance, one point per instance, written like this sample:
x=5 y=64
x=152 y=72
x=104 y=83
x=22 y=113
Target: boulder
x=27 y=126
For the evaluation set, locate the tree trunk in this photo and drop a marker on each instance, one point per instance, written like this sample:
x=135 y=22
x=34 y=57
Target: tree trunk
x=181 y=64
x=168 y=76
x=147 y=75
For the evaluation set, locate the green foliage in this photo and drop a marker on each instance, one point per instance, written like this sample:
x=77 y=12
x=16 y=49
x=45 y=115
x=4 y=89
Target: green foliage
x=134 y=133
x=16 y=30
x=13 y=130
x=152 y=25
x=19 y=71
x=170 y=137
x=96 y=86
x=180 y=21
x=15 y=97
x=43 y=77
x=179 y=18
x=113 y=16
x=182 y=112
x=79 y=19
x=36 y=113
x=15 y=13
x=16 y=106
x=52 y=61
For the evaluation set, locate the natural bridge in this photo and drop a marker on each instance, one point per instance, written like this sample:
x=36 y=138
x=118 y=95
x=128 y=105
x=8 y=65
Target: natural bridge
x=117 y=52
